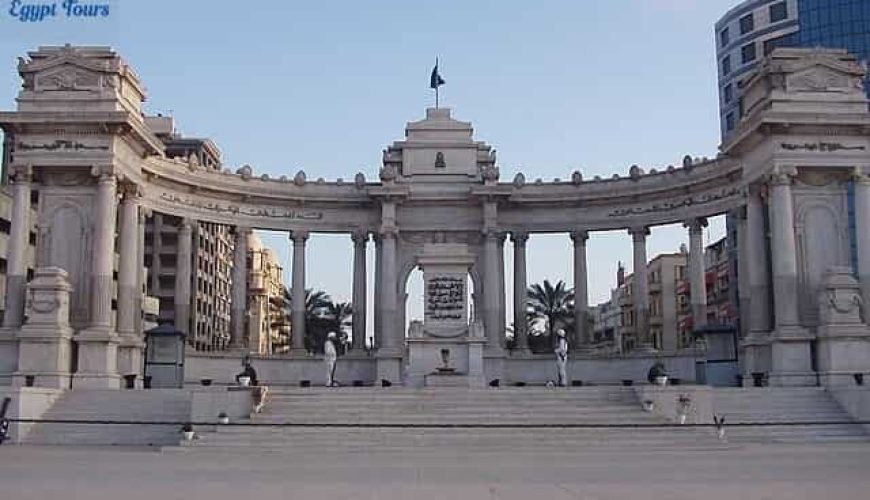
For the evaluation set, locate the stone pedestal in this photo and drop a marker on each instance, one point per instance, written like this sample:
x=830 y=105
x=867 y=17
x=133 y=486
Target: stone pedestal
x=445 y=362
x=755 y=356
x=8 y=355
x=44 y=347
x=843 y=346
x=791 y=357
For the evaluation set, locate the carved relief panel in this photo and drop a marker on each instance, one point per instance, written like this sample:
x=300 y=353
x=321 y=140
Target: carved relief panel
x=65 y=240
x=822 y=235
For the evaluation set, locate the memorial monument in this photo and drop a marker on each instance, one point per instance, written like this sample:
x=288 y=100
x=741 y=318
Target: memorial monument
x=438 y=203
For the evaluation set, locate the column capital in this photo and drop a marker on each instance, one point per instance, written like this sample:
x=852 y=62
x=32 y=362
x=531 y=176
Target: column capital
x=781 y=176
x=130 y=191
x=861 y=175
x=638 y=233
x=242 y=231
x=186 y=224
x=299 y=236
x=490 y=233
x=144 y=212
x=104 y=173
x=359 y=237
x=519 y=237
x=579 y=236
x=696 y=224
x=388 y=232
x=501 y=236
x=21 y=173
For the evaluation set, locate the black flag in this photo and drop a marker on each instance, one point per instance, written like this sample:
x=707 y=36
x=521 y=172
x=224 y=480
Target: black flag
x=435 y=80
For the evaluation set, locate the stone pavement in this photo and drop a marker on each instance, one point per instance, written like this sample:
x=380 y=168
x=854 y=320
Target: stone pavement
x=794 y=472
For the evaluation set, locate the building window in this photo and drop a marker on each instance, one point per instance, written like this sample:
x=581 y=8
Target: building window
x=748 y=53
x=778 y=12
x=729 y=93
x=726 y=65
x=724 y=37
x=5 y=226
x=747 y=24
x=729 y=122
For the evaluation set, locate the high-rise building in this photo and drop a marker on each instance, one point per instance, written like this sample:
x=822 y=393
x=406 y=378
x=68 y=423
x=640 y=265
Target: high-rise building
x=753 y=28
x=208 y=327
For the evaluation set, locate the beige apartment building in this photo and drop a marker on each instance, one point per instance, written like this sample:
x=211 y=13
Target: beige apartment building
x=207 y=317
x=665 y=272
x=268 y=329
x=5 y=226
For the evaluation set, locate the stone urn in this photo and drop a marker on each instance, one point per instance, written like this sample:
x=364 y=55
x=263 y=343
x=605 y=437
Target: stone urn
x=245 y=381
x=661 y=380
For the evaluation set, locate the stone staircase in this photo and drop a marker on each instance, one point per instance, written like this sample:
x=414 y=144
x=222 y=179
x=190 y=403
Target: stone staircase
x=783 y=404
x=396 y=420
x=163 y=405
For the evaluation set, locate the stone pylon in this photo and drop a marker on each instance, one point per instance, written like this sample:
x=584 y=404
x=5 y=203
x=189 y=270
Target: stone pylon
x=44 y=341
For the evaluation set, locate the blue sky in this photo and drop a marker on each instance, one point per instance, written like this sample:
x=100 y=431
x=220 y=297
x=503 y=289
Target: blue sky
x=324 y=86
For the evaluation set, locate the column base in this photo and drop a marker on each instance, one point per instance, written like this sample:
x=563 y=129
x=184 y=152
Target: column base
x=389 y=368
x=791 y=358
x=50 y=380
x=756 y=356
x=44 y=356
x=8 y=355
x=130 y=363
x=97 y=359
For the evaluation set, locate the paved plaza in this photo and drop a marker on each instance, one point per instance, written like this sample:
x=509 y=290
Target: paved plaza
x=829 y=471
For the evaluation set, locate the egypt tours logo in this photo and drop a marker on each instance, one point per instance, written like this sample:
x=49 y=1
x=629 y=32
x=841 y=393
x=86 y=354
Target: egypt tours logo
x=37 y=12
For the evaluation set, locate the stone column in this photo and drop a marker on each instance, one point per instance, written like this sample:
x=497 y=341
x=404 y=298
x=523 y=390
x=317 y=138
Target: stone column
x=379 y=282
x=141 y=273
x=183 y=278
x=16 y=268
x=790 y=350
x=502 y=304
x=754 y=273
x=98 y=343
x=641 y=287
x=582 y=335
x=129 y=276
x=521 y=338
x=390 y=338
x=743 y=257
x=360 y=240
x=239 y=310
x=297 y=294
x=862 y=235
x=697 y=283
x=490 y=289
x=784 y=254
x=16 y=256
x=757 y=265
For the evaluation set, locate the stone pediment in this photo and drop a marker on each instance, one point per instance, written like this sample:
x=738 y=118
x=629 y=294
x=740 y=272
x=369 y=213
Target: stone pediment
x=823 y=78
x=69 y=77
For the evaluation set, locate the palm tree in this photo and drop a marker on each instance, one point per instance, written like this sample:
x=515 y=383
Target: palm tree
x=316 y=304
x=339 y=313
x=551 y=303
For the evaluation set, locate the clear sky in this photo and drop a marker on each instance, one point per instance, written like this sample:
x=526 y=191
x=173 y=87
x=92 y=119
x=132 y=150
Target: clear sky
x=325 y=85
